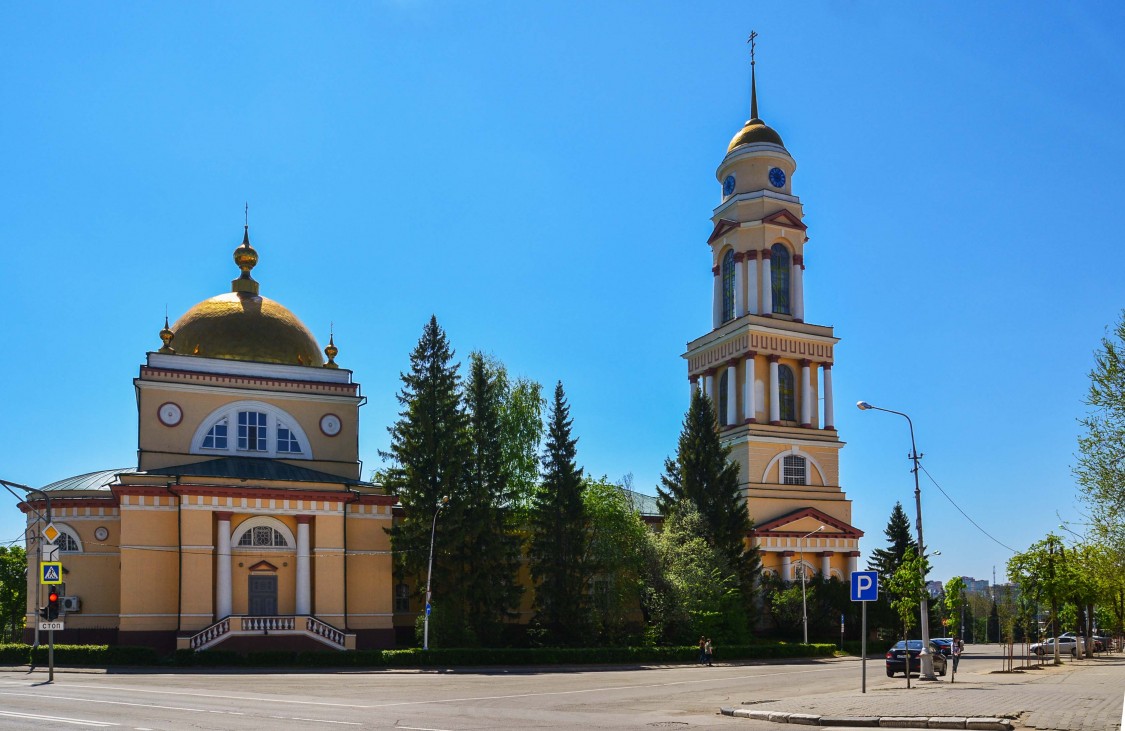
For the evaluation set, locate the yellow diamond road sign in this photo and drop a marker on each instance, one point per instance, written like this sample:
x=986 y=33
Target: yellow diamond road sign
x=50 y=572
x=51 y=533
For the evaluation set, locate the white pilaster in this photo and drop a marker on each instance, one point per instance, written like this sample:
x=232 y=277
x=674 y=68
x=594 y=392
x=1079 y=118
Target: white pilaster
x=798 y=288
x=826 y=564
x=752 y=283
x=829 y=415
x=732 y=394
x=787 y=566
x=749 y=408
x=222 y=568
x=806 y=393
x=739 y=308
x=853 y=564
x=717 y=304
x=775 y=392
x=304 y=586
x=767 y=284
x=709 y=386
x=695 y=386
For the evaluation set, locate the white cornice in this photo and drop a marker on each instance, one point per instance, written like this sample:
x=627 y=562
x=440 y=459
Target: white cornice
x=200 y=364
x=754 y=195
x=834 y=444
x=756 y=149
x=720 y=336
x=229 y=391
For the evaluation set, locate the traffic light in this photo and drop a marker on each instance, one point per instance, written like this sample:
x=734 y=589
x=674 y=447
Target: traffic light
x=52 y=604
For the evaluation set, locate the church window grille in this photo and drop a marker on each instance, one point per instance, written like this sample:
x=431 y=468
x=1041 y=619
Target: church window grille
x=723 y=398
x=263 y=536
x=794 y=470
x=287 y=440
x=779 y=276
x=66 y=543
x=217 y=436
x=787 y=394
x=728 y=286
x=252 y=431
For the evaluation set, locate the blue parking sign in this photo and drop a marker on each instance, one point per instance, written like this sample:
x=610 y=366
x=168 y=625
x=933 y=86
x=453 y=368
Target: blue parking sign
x=865 y=586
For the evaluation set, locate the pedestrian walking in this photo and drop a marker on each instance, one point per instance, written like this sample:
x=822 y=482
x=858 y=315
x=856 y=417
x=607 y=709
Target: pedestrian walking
x=958 y=646
x=708 y=651
x=702 y=649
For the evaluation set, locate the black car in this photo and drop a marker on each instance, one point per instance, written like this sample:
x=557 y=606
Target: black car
x=944 y=645
x=896 y=658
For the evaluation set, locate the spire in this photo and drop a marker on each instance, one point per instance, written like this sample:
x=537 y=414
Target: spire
x=331 y=350
x=246 y=259
x=753 y=80
x=166 y=337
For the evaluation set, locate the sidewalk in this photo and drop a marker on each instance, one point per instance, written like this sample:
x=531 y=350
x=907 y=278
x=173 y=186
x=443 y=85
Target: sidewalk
x=1081 y=695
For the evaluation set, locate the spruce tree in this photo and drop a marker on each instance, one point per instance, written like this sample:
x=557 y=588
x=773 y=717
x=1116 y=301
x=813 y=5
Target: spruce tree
x=558 y=535
x=887 y=560
x=427 y=454
x=704 y=474
x=488 y=546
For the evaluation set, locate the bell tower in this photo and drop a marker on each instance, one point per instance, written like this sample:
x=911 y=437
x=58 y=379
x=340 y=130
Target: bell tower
x=767 y=370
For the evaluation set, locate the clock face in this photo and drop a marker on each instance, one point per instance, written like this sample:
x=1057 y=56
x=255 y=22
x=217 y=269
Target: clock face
x=728 y=185
x=101 y=533
x=777 y=177
x=170 y=414
x=330 y=424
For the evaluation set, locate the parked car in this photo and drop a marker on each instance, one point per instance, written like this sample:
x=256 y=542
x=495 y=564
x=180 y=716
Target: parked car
x=897 y=658
x=1067 y=646
x=944 y=645
x=1099 y=642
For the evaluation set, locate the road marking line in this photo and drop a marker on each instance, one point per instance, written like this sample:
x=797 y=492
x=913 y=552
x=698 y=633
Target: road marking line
x=265 y=699
x=57 y=719
x=420 y=728
x=321 y=720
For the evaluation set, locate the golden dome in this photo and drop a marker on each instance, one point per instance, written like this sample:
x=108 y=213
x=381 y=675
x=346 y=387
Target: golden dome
x=245 y=326
x=755 y=130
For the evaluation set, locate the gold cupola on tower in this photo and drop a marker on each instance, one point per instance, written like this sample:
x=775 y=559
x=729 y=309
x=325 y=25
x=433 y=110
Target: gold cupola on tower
x=755 y=130
x=243 y=325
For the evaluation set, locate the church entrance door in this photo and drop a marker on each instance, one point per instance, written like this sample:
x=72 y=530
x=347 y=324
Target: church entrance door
x=262 y=596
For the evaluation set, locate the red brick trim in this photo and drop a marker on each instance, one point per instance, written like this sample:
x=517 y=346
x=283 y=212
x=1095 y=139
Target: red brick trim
x=788 y=554
x=766 y=254
x=751 y=255
x=773 y=358
x=304 y=519
x=827 y=554
x=223 y=515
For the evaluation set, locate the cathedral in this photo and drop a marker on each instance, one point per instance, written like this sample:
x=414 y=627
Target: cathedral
x=767 y=370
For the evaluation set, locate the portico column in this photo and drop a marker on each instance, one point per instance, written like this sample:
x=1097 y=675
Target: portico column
x=826 y=563
x=798 y=288
x=739 y=309
x=222 y=567
x=806 y=393
x=694 y=381
x=709 y=385
x=749 y=408
x=304 y=586
x=752 y=282
x=767 y=284
x=787 y=566
x=775 y=393
x=732 y=392
x=829 y=416
x=717 y=305
x=853 y=563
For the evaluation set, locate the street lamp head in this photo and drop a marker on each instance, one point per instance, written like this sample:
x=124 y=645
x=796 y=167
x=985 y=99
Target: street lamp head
x=863 y=405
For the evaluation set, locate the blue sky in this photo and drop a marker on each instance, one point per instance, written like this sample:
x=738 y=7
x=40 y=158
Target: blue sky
x=540 y=176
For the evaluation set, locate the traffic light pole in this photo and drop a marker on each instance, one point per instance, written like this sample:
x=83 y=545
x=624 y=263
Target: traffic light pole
x=50 y=655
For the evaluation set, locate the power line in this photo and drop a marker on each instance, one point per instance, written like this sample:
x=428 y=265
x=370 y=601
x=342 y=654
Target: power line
x=962 y=512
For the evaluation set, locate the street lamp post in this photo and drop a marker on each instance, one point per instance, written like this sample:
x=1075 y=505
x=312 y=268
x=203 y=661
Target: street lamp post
x=429 y=573
x=927 y=659
x=804 y=603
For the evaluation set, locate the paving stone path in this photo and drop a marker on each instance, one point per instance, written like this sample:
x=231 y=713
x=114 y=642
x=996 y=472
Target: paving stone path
x=1081 y=695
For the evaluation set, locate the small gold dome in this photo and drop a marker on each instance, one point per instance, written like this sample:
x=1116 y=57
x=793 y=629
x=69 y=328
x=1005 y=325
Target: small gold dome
x=166 y=337
x=755 y=130
x=244 y=326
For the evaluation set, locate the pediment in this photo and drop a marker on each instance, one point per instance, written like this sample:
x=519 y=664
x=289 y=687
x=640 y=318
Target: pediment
x=263 y=566
x=721 y=229
x=786 y=219
x=805 y=520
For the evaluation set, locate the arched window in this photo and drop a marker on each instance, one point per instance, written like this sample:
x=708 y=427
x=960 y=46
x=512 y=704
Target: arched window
x=722 y=400
x=728 y=286
x=786 y=393
x=68 y=540
x=251 y=428
x=794 y=470
x=779 y=276
x=262 y=532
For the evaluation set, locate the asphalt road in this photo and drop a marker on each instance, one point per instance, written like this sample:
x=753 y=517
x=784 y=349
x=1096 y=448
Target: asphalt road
x=684 y=697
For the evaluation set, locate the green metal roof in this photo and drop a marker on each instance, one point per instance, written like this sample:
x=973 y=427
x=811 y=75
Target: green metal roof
x=253 y=468
x=89 y=482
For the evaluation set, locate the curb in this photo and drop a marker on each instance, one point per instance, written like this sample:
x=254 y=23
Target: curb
x=935 y=722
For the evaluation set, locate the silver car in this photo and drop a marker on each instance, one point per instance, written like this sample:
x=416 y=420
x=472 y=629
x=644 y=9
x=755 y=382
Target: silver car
x=1067 y=646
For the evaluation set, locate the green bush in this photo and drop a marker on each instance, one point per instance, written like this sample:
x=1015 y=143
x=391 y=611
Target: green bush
x=94 y=655
x=15 y=654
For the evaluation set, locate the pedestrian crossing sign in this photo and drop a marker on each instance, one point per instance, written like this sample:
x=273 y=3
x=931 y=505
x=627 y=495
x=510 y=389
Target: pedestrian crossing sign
x=50 y=572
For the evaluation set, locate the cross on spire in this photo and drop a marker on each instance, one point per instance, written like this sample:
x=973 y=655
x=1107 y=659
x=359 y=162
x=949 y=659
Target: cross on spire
x=752 y=40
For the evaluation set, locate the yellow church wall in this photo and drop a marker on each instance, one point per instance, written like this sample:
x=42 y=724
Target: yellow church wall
x=750 y=170
x=763 y=510
x=163 y=446
x=370 y=576
x=328 y=568
x=198 y=602
x=149 y=565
